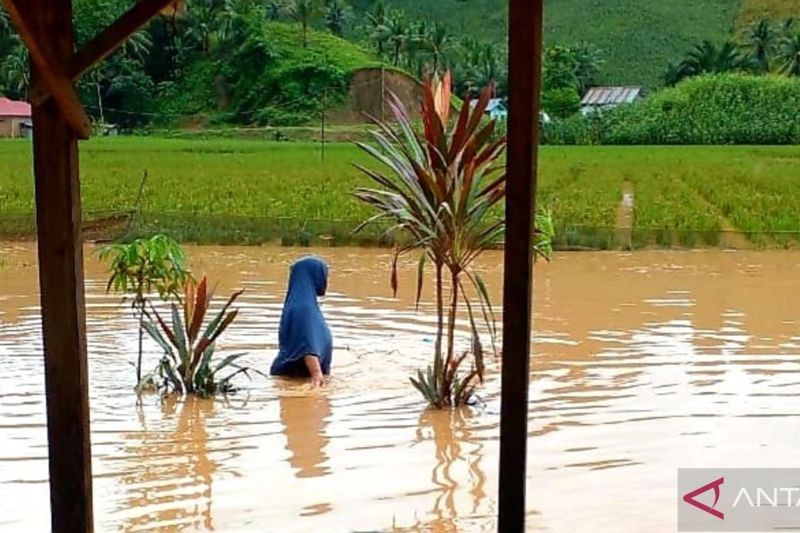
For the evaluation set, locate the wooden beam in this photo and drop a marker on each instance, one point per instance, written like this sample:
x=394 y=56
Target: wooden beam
x=48 y=64
x=524 y=88
x=104 y=43
x=58 y=221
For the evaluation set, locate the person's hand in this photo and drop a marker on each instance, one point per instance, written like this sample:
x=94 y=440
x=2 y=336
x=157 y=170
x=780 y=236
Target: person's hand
x=317 y=381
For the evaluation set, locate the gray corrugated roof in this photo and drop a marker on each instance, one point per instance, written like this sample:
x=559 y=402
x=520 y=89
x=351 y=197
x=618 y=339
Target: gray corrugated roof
x=611 y=95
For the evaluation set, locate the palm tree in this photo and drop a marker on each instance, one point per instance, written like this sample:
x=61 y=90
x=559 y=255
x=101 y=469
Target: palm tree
x=377 y=25
x=761 y=43
x=706 y=58
x=304 y=12
x=587 y=64
x=337 y=17
x=789 y=55
x=438 y=43
x=397 y=32
x=275 y=10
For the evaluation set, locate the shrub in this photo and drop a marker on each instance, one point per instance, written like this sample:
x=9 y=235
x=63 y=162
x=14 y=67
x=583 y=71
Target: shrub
x=713 y=109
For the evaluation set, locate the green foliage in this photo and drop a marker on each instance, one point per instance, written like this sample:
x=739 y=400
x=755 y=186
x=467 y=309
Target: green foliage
x=142 y=267
x=561 y=103
x=439 y=186
x=268 y=79
x=708 y=58
x=715 y=109
x=188 y=365
x=638 y=37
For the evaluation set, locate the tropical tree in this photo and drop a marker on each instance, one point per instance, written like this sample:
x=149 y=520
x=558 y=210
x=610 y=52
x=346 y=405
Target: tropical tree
x=188 y=341
x=440 y=187
x=337 y=16
x=376 y=26
x=274 y=10
x=587 y=61
x=707 y=58
x=789 y=55
x=305 y=12
x=397 y=36
x=760 y=42
x=142 y=267
x=438 y=42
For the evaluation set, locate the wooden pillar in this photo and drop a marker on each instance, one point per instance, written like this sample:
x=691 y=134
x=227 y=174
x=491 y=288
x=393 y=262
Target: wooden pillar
x=58 y=220
x=524 y=88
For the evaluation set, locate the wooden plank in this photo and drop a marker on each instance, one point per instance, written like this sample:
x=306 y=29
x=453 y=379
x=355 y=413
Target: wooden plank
x=105 y=43
x=524 y=88
x=58 y=220
x=48 y=64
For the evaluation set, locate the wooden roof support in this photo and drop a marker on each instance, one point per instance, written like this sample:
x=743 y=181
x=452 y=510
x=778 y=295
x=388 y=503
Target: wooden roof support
x=48 y=62
x=524 y=88
x=105 y=43
x=60 y=252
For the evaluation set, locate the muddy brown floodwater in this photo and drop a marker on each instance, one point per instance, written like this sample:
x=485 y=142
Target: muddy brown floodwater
x=644 y=362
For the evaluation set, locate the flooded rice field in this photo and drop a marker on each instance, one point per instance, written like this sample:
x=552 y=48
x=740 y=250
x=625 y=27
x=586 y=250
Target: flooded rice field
x=643 y=362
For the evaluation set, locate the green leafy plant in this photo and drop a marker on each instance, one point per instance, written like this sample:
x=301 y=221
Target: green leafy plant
x=440 y=187
x=141 y=268
x=188 y=365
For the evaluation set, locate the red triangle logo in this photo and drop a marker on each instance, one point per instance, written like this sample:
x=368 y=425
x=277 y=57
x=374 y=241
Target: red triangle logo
x=690 y=498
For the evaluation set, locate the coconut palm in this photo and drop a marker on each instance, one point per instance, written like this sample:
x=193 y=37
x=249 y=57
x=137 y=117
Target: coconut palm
x=587 y=63
x=377 y=25
x=789 y=55
x=397 y=35
x=337 y=17
x=438 y=42
x=760 y=42
x=440 y=187
x=274 y=10
x=707 y=58
x=304 y=12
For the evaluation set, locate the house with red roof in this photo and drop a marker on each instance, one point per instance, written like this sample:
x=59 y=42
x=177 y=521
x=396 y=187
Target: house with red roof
x=13 y=115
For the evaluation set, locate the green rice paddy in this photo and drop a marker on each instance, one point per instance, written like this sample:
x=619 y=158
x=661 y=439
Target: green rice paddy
x=255 y=191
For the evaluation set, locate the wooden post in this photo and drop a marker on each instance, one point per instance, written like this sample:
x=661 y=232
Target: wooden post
x=58 y=220
x=524 y=88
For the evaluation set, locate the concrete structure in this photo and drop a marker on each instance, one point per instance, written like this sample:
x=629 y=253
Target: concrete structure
x=599 y=98
x=12 y=116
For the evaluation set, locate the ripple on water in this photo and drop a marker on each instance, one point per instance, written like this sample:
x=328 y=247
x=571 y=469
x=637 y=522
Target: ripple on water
x=642 y=363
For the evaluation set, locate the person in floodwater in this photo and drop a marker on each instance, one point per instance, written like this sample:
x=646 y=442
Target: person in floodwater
x=305 y=341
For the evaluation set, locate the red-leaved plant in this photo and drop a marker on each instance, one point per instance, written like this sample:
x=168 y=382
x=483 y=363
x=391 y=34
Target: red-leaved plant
x=439 y=186
x=187 y=366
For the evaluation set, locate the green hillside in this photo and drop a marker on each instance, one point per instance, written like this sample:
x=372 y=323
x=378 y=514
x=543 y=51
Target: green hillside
x=638 y=37
x=270 y=78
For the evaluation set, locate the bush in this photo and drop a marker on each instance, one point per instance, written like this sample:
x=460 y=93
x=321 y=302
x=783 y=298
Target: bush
x=713 y=109
x=561 y=102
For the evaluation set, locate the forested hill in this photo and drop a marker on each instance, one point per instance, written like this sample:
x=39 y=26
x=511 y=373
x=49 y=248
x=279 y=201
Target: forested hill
x=637 y=38
x=270 y=62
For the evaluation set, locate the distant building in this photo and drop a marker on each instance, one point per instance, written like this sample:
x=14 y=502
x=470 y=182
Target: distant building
x=598 y=98
x=12 y=116
x=497 y=109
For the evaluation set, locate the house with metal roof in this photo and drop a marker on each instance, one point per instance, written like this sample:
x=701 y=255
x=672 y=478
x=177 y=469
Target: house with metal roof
x=598 y=98
x=12 y=116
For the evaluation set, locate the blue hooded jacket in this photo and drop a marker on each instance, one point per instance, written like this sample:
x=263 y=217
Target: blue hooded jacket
x=303 y=330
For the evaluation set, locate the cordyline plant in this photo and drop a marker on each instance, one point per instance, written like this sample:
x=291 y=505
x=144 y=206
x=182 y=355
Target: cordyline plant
x=440 y=187
x=143 y=267
x=188 y=366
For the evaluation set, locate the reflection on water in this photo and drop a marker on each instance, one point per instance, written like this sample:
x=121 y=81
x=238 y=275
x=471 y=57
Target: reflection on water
x=643 y=363
x=170 y=476
x=304 y=421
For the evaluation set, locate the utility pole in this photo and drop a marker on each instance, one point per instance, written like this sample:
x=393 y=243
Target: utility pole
x=383 y=93
x=322 y=125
